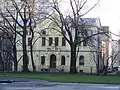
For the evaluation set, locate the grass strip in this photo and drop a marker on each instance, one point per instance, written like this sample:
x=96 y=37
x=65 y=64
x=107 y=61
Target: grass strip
x=74 y=78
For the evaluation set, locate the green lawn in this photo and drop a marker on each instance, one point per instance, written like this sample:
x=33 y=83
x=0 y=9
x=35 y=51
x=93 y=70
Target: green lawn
x=66 y=77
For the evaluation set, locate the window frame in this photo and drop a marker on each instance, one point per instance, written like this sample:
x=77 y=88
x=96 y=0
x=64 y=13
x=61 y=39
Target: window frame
x=81 y=60
x=63 y=60
x=50 y=42
x=56 y=41
x=63 y=41
x=29 y=41
x=42 y=60
x=43 y=41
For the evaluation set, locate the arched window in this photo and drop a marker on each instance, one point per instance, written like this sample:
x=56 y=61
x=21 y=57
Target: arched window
x=43 y=60
x=81 y=60
x=63 y=60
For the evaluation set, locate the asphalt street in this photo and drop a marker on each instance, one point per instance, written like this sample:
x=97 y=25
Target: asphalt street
x=34 y=84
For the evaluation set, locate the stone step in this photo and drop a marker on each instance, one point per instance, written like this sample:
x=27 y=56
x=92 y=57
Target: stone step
x=53 y=70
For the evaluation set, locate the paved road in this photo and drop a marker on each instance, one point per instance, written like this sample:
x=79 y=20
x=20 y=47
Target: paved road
x=33 y=84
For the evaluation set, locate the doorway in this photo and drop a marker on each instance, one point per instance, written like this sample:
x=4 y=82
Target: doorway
x=52 y=61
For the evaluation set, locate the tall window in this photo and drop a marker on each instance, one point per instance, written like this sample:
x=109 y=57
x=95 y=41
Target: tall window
x=29 y=40
x=43 y=41
x=63 y=60
x=63 y=41
x=43 y=60
x=50 y=41
x=79 y=41
x=85 y=43
x=56 y=41
x=81 y=60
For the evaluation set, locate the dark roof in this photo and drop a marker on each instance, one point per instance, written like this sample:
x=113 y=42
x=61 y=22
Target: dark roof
x=91 y=21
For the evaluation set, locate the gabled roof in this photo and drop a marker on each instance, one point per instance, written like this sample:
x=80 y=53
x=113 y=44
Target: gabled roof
x=92 y=21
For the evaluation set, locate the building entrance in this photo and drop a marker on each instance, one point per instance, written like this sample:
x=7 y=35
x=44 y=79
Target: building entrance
x=52 y=61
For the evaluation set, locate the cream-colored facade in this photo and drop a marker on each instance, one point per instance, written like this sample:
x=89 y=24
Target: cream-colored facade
x=56 y=58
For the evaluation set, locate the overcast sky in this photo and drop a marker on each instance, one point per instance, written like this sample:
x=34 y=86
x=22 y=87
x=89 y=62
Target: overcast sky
x=108 y=11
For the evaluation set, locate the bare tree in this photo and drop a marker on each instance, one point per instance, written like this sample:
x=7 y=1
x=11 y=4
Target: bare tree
x=24 y=16
x=21 y=18
x=6 y=57
x=9 y=28
x=72 y=26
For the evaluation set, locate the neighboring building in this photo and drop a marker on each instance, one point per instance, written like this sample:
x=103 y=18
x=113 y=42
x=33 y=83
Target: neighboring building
x=105 y=45
x=115 y=62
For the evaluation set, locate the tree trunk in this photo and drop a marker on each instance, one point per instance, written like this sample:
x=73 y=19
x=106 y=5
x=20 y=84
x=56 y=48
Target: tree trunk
x=15 y=58
x=3 y=67
x=105 y=70
x=98 y=64
x=73 y=69
x=25 y=58
x=97 y=69
x=31 y=52
x=31 y=47
x=1 y=61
